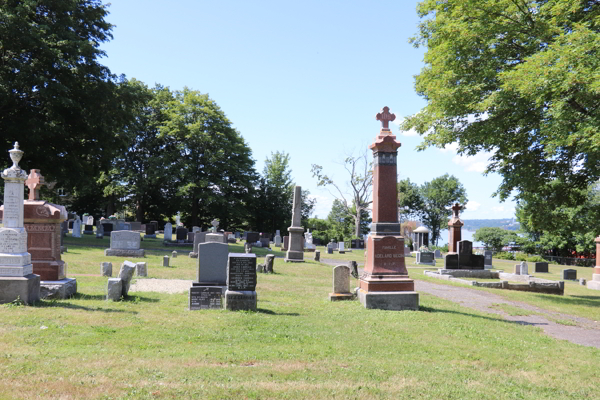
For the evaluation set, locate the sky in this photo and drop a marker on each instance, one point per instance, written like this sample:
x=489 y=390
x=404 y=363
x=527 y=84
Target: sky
x=305 y=78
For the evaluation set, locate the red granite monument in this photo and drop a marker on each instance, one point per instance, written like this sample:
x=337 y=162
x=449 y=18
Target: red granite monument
x=454 y=228
x=385 y=283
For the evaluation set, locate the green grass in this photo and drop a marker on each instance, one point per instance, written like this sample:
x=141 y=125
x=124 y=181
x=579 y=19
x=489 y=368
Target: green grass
x=297 y=346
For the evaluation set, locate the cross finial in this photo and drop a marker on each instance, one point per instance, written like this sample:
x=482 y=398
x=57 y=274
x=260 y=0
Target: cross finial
x=385 y=116
x=34 y=182
x=456 y=209
x=215 y=224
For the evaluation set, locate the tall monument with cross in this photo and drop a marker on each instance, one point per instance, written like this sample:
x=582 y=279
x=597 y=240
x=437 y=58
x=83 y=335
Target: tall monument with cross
x=454 y=227
x=385 y=283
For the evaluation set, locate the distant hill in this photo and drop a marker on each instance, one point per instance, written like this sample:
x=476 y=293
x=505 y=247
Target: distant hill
x=507 y=223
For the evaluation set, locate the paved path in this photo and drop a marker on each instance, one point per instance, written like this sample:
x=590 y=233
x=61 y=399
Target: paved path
x=585 y=332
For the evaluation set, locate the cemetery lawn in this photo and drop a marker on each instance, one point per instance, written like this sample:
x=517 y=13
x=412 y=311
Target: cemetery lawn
x=298 y=345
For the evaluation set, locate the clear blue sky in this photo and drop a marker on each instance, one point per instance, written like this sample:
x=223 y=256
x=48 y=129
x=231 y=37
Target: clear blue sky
x=306 y=78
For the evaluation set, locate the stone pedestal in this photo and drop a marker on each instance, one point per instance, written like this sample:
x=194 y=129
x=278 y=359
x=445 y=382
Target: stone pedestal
x=17 y=280
x=385 y=283
x=60 y=289
x=243 y=300
x=295 y=251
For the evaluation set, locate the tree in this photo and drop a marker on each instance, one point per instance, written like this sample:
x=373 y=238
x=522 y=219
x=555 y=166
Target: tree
x=360 y=183
x=561 y=231
x=213 y=170
x=494 y=238
x=432 y=202
x=518 y=78
x=66 y=109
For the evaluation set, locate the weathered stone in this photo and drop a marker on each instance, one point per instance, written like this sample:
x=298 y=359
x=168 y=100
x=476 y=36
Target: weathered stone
x=524 y=268
x=341 y=279
x=124 y=244
x=168 y=234
x=106 y=268
x=269 y=261
x=61 y=289
x=174 y=254
x=141 y=269
x=114 y=289
x=125 y=274
x=165 y=261
x=295 y=252
x=317 y=255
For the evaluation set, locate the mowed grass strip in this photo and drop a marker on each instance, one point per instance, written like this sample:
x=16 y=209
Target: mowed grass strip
x=299 y=345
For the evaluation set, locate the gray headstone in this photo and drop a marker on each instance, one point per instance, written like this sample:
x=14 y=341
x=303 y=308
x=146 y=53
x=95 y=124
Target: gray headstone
x=168 y=235
x=174 y=254
x=114 y=289
x=165 y=261
x=487 y=255
x=524 y=268
x=141 y=269
x=125 y=274
x=437 y=253
x=125 y=240
x=106 y=268
x=341 y=279
x=212 y=263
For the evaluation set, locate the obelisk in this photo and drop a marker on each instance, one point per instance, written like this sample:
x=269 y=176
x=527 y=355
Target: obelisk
x=384 y=283
x=295 y=251
x=17 y=280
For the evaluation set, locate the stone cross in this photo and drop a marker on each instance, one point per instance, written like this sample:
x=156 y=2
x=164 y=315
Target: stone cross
x=456 y=209
x=215 y=224
x=34 y=182
x=385 y=117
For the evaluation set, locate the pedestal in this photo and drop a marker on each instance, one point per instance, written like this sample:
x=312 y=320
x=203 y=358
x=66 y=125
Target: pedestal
x=595 y=282
x=296 y=245
x=26 y=288
x=58 y=289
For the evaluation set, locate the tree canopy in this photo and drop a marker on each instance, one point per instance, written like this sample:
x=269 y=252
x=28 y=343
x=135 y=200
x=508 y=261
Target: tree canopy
x=517 y=78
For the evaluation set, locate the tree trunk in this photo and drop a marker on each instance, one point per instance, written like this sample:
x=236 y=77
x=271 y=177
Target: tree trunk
x=139 y=211
x=357 y=222
x=194 y=211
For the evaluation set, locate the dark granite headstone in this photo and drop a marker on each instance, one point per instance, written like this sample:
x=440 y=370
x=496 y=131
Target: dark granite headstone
x=488 y=258
x=426 y=257
x=241 y=272
x=252 y=237
x=570 y=274
x=150 y=229
x=182 y=233
x=451 y=261
x=465 y=251
x=89 y=229
x=540 y=267
x=108 y=228
x=205 y=297
x=357 y=244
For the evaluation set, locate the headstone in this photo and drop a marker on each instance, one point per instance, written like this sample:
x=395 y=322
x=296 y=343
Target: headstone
x=286 y=243
x=570 y=274
x=524 y=268
x=341 y=247
x=190 y=237
x=540 y=267
x=487 y=257
x=76 y=228
x=124 y=244
x=181 y=234
x=206 y=297
x=465 y=251
x=329 y=249
x=464 y=259
x=107 y=227
x=406 y=251
x=150 y=231
x=125 y=274
x=317 y=255
x=341 y=284
x=141 y=269
x=295 y=252
x=357 y=244
x=212 y=264
x=277 y=239
x=135 y=226
x=106 y=268
x=100 y=231
x=199 y=237
x=582 y=281
x=165 y=261
x=437 y=253
x=264 y=242
x=215 y=238
x=353 y=265
x=196 y=229
x=114 y=289
x=168 y=235
x=425 y=257
x=517 y=270
x=252 y=237
x=241 y=282
x=120 y=225
x=88 y=229
x=16 y=271
x=174 y=254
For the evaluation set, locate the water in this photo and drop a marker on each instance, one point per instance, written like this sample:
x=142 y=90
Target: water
x=465 y=235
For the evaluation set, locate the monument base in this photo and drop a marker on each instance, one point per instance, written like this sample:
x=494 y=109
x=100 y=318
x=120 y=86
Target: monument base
x=149 y=236
x=124 y=253
x=59 y=289
x=88 y=232
x=294 y=256
x=386 y=283
x=26 y=288
x=240 y=300
x=340 y=296
x=50 y=270
x=594 y=283
x=396 y=301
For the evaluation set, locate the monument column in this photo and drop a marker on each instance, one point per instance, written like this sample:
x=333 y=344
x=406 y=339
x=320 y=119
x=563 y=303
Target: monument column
x=385 y=283
x=295 y=251
x=16 y=271
x=595 y=282
x=454 y=229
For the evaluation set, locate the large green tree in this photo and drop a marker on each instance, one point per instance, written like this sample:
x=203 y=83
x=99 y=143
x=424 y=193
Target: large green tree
x=213 y=170
x=66 y=109
x=431 y=202
x=517 y=78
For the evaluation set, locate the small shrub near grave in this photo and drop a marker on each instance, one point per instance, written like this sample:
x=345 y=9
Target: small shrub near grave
x=503 y=255
x=521 y=257
x=535 y=259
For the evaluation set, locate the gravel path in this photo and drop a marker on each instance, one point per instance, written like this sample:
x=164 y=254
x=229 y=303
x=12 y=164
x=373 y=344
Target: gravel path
x=585 y=332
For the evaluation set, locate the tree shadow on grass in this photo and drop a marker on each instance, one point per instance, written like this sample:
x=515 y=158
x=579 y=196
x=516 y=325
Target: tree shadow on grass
x=271 y=312
x=588 y=301
x=62 y=304
x=436 y=310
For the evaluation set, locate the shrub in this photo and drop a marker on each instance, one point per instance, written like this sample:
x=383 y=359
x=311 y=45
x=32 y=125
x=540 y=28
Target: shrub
x=503 y=255
x=535 y=259
x=521 y=257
